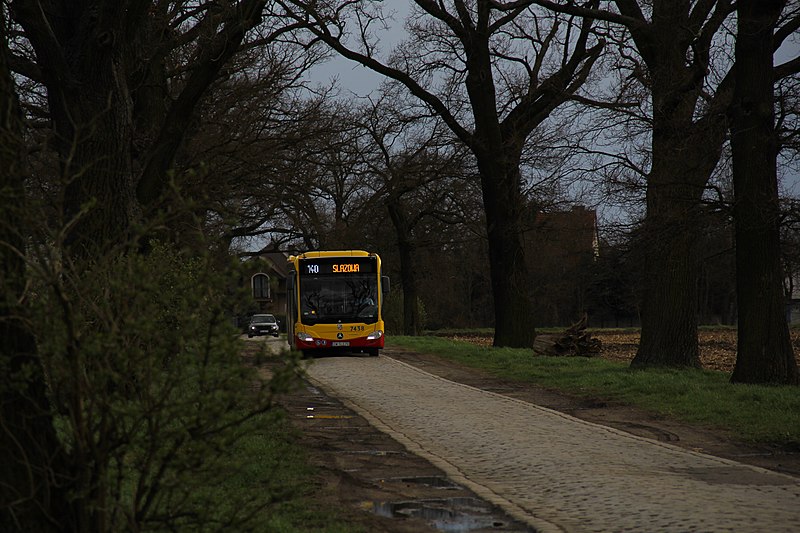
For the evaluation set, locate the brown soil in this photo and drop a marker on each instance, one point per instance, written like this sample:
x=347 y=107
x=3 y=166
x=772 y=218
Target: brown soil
x=366 y=474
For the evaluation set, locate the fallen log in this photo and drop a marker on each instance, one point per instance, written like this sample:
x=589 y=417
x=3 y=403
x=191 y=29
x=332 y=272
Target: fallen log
x=573 y=341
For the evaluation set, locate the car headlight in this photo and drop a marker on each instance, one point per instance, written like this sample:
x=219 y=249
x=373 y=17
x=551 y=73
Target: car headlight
x=305 y=337
x=375 y=335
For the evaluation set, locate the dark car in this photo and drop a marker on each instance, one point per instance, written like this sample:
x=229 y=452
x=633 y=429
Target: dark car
x=262 y=325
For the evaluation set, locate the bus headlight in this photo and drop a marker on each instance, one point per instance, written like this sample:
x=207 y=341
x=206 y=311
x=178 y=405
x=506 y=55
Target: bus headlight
x=304 y=337
x=375 y=335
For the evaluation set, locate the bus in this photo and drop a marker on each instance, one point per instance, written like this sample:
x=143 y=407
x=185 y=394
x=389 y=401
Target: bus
x=335 y=301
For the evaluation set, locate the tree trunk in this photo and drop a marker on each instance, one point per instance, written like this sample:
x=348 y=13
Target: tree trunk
x=405 y=244
x=100 y=191
x=764 y=350
x=32 y=494
x=514 y=325
x=685 y=150
x=497 y=152
x=86 y=75
x=670 y=277
x=684 y=155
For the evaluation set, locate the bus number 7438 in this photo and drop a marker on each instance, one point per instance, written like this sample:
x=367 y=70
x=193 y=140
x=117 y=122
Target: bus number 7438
x=335 y=301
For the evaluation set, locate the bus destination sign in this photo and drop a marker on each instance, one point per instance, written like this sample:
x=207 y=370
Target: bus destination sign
x=337 y=265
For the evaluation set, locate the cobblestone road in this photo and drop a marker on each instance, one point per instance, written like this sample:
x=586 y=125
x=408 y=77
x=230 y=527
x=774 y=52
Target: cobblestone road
x=553 y=471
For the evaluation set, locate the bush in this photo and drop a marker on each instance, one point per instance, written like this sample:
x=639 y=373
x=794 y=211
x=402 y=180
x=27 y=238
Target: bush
x=148 y=387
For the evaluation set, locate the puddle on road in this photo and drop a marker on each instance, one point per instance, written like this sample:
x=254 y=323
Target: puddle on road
x=437 y=482
x=371 y=452
x=453 y=515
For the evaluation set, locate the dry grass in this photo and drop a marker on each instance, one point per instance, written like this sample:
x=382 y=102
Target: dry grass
x=717 y=346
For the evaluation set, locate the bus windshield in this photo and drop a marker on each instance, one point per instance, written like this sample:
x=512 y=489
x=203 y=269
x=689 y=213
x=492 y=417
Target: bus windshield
x=328 y=299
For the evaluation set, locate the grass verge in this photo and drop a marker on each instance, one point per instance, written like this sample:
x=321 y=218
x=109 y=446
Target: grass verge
x=755 y=413
x=269 y=476
x=269 y=466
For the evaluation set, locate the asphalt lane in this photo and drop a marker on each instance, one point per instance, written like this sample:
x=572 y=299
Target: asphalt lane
x=553 y=471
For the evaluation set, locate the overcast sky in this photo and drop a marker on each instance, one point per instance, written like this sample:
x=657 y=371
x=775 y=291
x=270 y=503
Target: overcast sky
x=361 y=81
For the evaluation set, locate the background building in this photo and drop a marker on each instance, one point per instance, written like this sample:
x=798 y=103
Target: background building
x=560 y=248
x=264 y=277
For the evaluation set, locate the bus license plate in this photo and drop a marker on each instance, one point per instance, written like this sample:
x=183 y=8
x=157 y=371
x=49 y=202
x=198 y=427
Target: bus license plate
x=337 y=343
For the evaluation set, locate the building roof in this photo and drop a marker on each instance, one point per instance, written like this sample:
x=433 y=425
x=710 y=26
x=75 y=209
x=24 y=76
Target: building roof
x=277 y=261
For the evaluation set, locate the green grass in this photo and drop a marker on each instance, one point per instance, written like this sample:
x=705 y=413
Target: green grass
x=762 y=414
x=268 y=476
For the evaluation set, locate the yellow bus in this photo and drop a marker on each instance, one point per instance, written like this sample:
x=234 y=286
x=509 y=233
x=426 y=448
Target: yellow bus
x=335 y=301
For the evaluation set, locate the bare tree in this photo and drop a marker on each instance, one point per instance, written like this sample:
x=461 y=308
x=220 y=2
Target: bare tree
x=29 y=457
x=764 y=350
x=124 y=81
x=418 y=168
x=493 y=72
x=243 y=165
x=324 y=180
x=690 y=83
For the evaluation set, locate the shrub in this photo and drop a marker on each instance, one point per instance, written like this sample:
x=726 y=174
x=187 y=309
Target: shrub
x=148 y=388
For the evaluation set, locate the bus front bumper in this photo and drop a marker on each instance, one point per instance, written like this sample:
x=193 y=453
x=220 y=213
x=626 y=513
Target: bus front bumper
x=308 y=342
